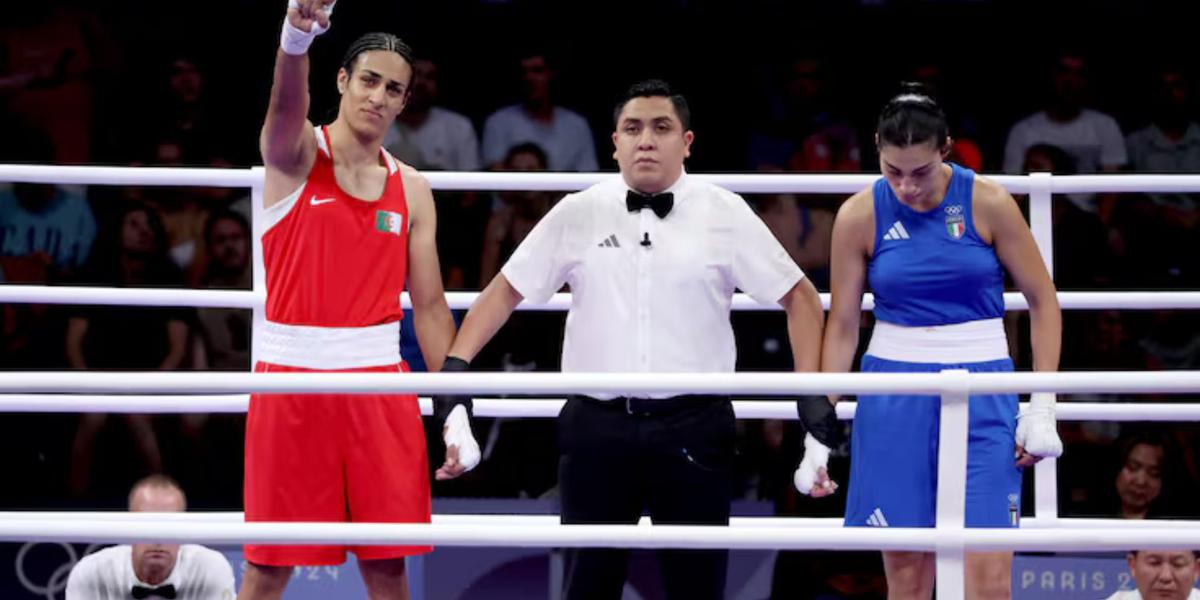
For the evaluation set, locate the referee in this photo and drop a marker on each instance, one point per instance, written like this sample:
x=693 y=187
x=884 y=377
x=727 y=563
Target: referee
x=652 y=258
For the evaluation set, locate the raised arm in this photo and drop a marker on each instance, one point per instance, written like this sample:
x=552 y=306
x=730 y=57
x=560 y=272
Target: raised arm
x=287 y=144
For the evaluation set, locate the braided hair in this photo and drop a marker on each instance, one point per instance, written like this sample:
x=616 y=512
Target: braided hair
x=376 y=40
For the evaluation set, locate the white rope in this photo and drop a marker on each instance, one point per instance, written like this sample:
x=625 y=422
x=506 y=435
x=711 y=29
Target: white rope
x=627 y=536
x=41 y=294
x=241 y=178
x=53 y=294
x=634 y=536
x=135 y=404
x=537 y=408
x=540 y=520
x=1077 y=382
x=1078 y=184
x=451 y=180
x=757 y=183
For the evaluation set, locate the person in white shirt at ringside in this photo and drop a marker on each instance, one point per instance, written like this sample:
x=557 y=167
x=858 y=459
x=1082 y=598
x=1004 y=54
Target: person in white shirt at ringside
x=153 y=570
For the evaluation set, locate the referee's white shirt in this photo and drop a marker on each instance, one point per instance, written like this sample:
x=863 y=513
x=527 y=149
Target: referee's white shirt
x=199 y=574
x=661 y=308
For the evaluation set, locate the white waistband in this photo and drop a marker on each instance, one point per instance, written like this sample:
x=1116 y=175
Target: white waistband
x=311 y=347
x=973 y=341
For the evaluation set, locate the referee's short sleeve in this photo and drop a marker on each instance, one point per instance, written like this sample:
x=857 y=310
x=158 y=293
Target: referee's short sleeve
x=82 y=581
x=538 y=267
x=761 y=266
x=214 y=574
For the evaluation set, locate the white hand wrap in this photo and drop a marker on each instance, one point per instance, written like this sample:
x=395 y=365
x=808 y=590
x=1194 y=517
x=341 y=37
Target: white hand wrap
x=816 y=457
x=295 y=41
x=1037 y=429
x=458 y=433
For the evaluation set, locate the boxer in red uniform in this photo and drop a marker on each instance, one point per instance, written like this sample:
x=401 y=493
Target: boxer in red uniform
x=345 y=223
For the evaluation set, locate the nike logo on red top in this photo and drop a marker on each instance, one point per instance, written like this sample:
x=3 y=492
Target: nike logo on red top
x=315 y=202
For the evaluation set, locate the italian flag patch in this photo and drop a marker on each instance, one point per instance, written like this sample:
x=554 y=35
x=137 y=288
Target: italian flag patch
x=389 y=222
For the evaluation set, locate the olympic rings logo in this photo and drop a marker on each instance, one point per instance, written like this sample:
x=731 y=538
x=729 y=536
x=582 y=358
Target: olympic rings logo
x=954 y=210
x=57 y=582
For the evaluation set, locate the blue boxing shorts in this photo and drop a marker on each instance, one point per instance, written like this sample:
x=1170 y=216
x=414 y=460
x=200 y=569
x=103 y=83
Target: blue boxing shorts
x=894 y=447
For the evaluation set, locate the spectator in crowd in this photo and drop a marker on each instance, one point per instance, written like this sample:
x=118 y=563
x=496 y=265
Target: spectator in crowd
x=1083 y=258
x=804 y=225
x=1139 y=482
x=46 y=233
x=48 y=224
x=430 y=137
x=1144 y=483
x=563 y=134
x=224 y=333
x=803 y=132
x=183 y=210
x=1171 y=142
x=1091 y=138
x=153 y=570
x=427 y=136
x=222 y=340
x=1161 y=233
x=1162 y=575
x=131 y=253
x=516 y=213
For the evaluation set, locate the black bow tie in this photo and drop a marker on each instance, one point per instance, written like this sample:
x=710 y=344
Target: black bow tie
x=164 y=591
x=659 y=203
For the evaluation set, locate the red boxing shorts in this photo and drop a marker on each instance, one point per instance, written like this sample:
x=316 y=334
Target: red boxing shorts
x=334 y=458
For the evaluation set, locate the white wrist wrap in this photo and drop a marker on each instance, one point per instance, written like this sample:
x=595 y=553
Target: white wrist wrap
x=1037 y=429
x=816 y=457
x=458 y=433
x=295 y=41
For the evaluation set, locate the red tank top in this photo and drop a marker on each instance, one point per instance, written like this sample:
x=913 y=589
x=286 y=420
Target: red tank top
x=334 y=260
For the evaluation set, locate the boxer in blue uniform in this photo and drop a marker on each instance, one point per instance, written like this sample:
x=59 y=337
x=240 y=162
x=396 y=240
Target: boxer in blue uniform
x=934 y=241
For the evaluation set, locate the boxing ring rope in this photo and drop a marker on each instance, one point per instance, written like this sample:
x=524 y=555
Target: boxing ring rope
x=465 y=181
x=39 y=294
x=592 y=536
x=949 y=540
x=744 y=383
x=539 y=408
x=547 y=520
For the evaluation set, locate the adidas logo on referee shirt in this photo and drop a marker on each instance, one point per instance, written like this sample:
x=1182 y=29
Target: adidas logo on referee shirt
x=896 y=232
x=876 y=519
x=610 y=242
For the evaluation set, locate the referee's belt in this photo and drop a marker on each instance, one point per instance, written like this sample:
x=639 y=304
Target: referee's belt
x=649 y=407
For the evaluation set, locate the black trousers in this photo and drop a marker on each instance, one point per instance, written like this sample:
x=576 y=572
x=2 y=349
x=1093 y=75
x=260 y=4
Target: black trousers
x=672 y=458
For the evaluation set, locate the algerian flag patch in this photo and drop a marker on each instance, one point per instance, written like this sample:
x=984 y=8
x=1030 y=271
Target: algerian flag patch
x=389 y=222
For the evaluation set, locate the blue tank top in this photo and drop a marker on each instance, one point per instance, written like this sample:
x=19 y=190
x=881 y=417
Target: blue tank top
x=932 y=268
